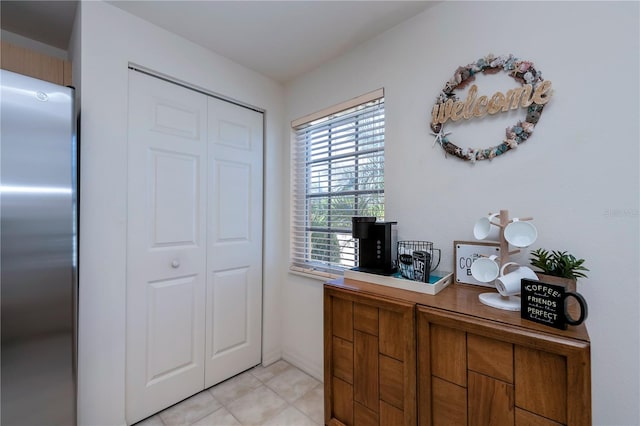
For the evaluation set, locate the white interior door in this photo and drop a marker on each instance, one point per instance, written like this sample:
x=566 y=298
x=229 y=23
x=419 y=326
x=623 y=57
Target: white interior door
x=166 y=244
x=194 y=243
x=234 y=255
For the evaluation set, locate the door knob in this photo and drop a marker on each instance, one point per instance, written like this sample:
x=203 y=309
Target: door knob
x=175 y=263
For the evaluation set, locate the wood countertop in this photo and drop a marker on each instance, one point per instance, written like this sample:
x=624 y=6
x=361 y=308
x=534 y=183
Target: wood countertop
x=461 y=299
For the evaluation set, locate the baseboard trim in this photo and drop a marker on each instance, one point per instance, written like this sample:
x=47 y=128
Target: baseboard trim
x=269 y=358
x=303 y=363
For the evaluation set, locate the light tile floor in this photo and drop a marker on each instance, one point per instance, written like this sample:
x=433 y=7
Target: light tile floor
x=277 y=395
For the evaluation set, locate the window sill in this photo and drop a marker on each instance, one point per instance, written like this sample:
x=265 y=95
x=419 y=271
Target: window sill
x=313 y=274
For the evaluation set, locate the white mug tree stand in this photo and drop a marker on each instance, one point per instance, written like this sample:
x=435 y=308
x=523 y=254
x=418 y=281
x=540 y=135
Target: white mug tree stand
x=496 y=300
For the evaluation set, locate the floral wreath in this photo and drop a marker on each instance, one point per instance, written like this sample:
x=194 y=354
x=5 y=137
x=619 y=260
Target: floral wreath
x=523 y=72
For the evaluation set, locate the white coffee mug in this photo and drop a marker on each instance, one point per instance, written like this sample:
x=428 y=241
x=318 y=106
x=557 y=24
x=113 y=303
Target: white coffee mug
x=520 y=233
x=509 y=284
x=485 y=269
x=485 y=229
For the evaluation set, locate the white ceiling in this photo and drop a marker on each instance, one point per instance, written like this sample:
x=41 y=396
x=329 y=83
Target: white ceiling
x=49 y=22
x=280 y=39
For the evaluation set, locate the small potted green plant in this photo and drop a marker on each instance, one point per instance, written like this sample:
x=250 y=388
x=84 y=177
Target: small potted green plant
x=558 y=267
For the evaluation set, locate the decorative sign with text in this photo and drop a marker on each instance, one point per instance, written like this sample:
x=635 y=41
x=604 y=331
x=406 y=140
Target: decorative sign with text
x=546 y=304
x=533 y=95
x=465 y=253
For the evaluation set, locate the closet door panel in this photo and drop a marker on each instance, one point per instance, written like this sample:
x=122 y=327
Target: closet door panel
x=166 y=245
x=170 y=328
x=174 y=198
x=227 y=296
x=233 y=206
x=234 y=235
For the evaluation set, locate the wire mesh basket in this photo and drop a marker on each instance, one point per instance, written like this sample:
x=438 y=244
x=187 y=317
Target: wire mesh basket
x=415 y=259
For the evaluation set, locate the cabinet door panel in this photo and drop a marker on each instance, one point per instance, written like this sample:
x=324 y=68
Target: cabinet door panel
x=449 y=406
x=391 y=383
x=365 y=318
x=391 y=333
x=390 y=415
x=541 y=383
x=491 y=401
x=365 y=383
x=342 y=401
x=449 y=354
x=525 y=418
x=342 y=315
x=364 y=417
x=343 y=359
x=491 y=357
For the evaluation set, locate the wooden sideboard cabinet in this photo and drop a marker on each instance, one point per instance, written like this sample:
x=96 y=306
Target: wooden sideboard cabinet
x=370 y=359
x=454 y=361
x=475 y=371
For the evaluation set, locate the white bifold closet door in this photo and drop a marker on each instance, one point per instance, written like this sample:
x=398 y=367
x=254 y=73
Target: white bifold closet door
x=194 y=243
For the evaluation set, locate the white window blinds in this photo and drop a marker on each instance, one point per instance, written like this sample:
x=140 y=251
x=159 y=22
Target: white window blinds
x=338 y=173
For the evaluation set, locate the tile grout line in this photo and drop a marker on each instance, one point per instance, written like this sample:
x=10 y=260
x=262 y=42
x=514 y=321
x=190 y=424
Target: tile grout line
x=225 y=404
x=262 y=382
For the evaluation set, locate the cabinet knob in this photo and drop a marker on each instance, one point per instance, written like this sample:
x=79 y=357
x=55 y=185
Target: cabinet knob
x=175 y=263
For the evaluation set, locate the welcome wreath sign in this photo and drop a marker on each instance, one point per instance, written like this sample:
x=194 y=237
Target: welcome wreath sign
x=533 y=94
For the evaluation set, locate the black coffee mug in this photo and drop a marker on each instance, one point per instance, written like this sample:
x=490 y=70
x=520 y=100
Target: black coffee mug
x=583 y=308
x=548 y=304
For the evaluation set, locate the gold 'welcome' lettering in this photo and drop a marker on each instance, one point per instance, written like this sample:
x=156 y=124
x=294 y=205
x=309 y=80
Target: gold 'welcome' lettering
x=471 y=107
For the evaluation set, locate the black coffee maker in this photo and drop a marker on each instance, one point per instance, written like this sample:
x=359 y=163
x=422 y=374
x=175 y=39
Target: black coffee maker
x=376 y=246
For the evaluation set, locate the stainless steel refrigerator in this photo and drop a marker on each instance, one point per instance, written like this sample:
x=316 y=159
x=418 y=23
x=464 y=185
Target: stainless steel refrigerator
x=38 y=209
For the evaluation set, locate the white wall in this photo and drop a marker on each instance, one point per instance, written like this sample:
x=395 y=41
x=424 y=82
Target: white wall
x=34 y=45
x=110 y=39
x=577 y=175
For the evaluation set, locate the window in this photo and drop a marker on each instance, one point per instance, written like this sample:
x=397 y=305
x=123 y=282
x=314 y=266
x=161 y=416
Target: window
x=338 y=173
